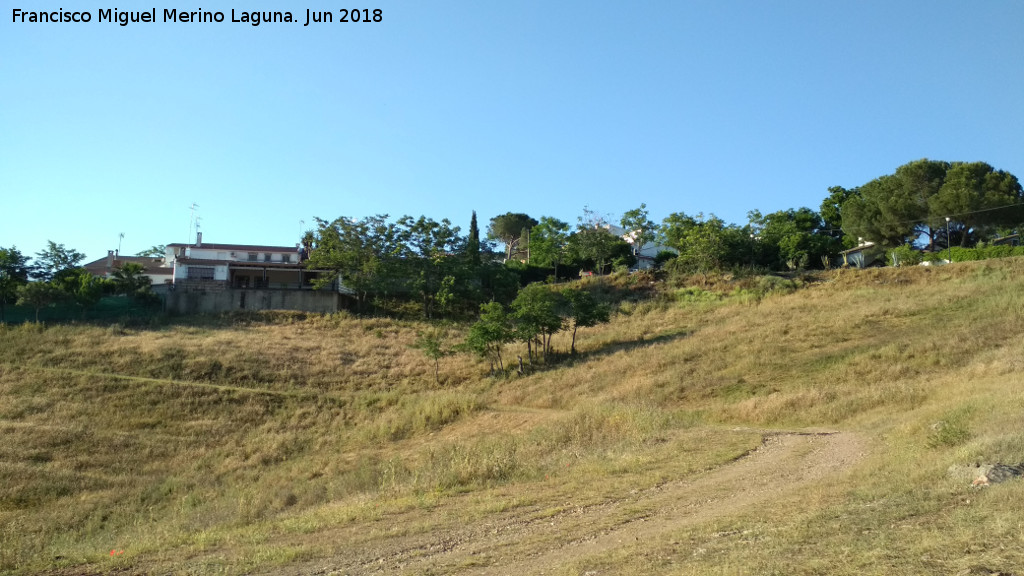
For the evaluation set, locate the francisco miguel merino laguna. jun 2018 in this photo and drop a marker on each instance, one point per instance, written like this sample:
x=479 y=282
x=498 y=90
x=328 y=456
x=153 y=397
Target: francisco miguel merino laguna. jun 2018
x=253 y=18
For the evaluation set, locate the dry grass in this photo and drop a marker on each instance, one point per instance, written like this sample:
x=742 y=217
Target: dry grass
x=277 y=440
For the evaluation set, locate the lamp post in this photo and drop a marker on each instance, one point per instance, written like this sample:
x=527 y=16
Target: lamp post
x=751 y=251
x=949 y=243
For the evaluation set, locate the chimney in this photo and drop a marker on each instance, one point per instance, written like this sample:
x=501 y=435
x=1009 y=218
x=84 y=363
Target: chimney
x=199 y=239
x=110 y=259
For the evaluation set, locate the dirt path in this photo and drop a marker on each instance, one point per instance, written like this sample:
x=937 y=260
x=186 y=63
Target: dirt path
x=785 y=463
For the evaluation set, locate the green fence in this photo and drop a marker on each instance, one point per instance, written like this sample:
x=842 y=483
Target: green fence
x=112 y=308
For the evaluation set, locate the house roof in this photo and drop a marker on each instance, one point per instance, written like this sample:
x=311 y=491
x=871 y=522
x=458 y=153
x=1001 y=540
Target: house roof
x=863 y=246
x=149 y=264
x=238 y=247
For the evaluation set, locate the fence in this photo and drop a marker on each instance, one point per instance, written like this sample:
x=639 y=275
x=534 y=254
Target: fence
x=108 y=308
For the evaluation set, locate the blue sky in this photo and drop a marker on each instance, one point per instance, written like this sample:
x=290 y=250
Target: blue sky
x=449 y=106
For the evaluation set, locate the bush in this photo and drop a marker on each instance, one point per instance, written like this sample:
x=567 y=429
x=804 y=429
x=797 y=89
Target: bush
x=775 y=285
x=903 y=256
x=982 y=252
x=694 y=295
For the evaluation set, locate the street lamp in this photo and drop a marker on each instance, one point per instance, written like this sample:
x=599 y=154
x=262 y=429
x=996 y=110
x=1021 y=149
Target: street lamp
x=751 y=251
x=949 y=244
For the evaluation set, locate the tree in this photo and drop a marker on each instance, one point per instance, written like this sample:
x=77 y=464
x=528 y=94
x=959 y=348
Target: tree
x=594 y=244
x=130 y=279
x=706 y=244
x=428 y=245
x=793 y=238
x=831 y=211
x=921 y=180
x=549 y=242
x=80 y=287
x=156 y=251
x=674 y=228
x=38 y=295
x=882 y=213
x=535 y=312
x=490 y=332
x=508 y=229
x=431 y=342
x=584 y=311
x=361 y=254
x=979 y=197
x=54 y=259
x=897 y=209
x=473 y=242
x=14 y=273
x=640 y=231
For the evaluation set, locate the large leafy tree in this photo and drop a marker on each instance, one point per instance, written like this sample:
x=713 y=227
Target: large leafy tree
x=38 y=295
x=598 y=247
x=831 y=212
x=430 y=246
x=80 y=287
x=537 y=316
x=979 y=198
x=508 y=229
x=915 y=201
x=54 y=259
x=490 y=332
x=883 y=213
x=359 y=253
x=14 y=273
x=549 y=242
x=793 y=238
x=583 y=310
x=705 y=244
x=674 y=228
x=593 y=244
x=640 y=230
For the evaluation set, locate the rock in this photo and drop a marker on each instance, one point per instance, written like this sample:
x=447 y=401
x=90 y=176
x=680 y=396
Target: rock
x=997 y=473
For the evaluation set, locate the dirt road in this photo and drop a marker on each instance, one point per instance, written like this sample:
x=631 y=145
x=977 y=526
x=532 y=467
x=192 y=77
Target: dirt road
x=784 y=464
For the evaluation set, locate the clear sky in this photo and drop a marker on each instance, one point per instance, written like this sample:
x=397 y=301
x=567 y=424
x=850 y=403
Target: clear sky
x=444 y=107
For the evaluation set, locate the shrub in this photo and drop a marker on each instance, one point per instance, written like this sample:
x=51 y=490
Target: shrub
x=695 y=295
x=904 y=256
x=775 y=285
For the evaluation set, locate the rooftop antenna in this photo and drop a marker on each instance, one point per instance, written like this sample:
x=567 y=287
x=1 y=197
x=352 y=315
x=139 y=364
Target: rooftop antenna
x=191 y=221
x=119 y=238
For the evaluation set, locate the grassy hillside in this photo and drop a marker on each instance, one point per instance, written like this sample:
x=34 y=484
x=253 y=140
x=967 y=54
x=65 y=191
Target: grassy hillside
x=284 y=443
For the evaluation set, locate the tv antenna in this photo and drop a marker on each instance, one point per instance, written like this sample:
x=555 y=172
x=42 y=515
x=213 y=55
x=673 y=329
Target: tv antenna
x=193 y=221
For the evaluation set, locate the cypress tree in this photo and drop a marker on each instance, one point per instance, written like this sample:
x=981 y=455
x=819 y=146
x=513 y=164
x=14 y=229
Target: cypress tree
x=473 y=243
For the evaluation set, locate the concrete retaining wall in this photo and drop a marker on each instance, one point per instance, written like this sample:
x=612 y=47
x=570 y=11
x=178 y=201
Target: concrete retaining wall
x=195 y=300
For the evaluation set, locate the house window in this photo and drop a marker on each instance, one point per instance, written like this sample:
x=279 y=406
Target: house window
x=253 y=257
x=286 y=257
x=200 y=273
x=266 y=257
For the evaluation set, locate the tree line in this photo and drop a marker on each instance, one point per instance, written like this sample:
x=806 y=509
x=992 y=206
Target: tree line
x=445 y=273
x=418 y=265
x=55 y=276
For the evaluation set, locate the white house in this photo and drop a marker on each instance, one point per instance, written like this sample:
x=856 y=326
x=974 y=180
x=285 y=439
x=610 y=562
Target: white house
x=644 y=254
x=240 y=265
